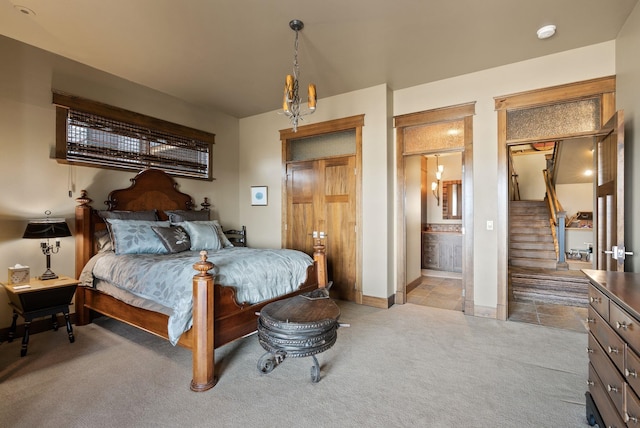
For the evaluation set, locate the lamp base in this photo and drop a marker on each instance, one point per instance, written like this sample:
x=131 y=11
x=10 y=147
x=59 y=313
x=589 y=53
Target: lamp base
x=48 y=274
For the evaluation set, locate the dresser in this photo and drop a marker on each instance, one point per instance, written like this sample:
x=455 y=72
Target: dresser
x=614 y=348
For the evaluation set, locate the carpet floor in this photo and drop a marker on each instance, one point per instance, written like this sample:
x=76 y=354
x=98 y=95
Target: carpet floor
x=407 y=366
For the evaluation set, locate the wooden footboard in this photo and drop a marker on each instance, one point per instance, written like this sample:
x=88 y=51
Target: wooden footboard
x=217 y=317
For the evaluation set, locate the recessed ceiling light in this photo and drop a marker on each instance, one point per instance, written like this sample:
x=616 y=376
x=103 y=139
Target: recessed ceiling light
x=24 y=10
x=546 y=31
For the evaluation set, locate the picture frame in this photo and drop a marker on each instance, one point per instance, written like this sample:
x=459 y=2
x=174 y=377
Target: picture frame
x=259 y=195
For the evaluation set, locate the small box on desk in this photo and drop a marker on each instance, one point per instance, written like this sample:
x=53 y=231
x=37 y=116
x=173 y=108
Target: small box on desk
x=19 y=275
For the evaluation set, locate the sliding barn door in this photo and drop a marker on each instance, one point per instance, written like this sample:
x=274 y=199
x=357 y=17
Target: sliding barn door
x=321 y=198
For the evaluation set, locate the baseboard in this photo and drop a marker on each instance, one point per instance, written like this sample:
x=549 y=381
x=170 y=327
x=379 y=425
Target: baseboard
x=485 y=312
x=414 y=284
x=37 y=326
x=379 y=302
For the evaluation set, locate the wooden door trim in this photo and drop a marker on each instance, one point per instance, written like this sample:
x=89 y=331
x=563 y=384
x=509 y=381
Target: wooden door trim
x=427 y=117
x=601 y=87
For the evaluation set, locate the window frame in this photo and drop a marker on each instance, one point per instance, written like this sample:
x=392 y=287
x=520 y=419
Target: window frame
x=65 y=103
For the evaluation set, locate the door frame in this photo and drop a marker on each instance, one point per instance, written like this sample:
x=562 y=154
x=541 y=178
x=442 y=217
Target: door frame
x=312 y=130
x=603 y=87
x=429 y=117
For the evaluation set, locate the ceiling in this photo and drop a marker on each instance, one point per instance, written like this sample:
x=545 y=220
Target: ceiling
x=233 y=55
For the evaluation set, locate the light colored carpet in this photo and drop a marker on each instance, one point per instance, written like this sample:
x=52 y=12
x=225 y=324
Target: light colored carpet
x=408 y=366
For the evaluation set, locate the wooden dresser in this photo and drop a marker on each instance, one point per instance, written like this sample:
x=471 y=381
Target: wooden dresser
x=614 y=349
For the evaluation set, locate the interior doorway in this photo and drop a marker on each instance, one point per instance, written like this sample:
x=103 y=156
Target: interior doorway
x=446 y=130
x=434 y=218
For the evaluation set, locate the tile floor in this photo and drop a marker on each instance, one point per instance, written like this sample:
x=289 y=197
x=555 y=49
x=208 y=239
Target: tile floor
x=446 y=293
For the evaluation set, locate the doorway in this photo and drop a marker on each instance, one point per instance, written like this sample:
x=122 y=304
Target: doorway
x=434 y=219
x=542 y=115
x=438 y=131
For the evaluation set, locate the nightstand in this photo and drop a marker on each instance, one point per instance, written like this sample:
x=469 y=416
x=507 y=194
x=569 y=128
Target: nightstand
x=38 y=299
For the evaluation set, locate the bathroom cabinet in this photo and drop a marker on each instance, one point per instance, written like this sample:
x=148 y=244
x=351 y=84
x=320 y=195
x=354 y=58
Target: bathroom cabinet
x=442 y=251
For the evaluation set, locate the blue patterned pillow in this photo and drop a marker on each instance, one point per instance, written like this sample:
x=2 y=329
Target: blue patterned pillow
x=203 y=235
x=136 y=236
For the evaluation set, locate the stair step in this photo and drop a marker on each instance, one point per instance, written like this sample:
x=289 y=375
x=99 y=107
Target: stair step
x=528 y=223
x=535 y=263
x=530 y=230
x=531 y=237
x=532 y=245
x=534 y=254
x=549 y=286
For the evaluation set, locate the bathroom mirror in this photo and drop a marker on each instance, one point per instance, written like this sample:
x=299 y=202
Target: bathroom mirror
x=452 y=199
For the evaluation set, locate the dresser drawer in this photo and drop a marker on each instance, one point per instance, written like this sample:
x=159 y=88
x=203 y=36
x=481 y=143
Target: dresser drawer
x=600 y=396
x=612 y=344
x=632 y=414
x=632 y=370
x=625 y=325
x=613 y=383
x=599 y=302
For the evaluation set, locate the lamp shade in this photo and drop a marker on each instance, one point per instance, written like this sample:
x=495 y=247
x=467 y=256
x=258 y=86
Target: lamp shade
x=47 y=228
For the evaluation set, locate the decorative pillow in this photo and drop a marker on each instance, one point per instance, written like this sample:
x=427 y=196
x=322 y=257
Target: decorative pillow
x=175 y=238
x=102 y=240
x=136 y=236
x=224 y=241
x=203 y=235
x=148 y=215
x=178 y=216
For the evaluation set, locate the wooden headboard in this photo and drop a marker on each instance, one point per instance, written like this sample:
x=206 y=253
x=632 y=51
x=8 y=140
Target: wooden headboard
x=150 y=189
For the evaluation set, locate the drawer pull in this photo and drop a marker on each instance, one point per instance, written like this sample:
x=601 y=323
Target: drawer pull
x=612 y=388
x=595 y=299
x=630 y=373
x=613 y=350
x=590 y=320
x=628 y=418
x=589 y=351
x=590 y=382
x=621 y=325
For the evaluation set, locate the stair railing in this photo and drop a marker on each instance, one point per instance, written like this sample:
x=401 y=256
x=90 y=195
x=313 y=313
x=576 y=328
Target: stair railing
x=515 y=187
x=557 y=218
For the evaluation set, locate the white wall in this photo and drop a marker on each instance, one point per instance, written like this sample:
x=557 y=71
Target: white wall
x=413 y=214
x=628 y=99
x=482 y=87
x=530 y=180
x=33 y=182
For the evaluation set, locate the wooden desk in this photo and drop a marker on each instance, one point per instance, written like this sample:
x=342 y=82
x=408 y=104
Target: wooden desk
x=40 y=298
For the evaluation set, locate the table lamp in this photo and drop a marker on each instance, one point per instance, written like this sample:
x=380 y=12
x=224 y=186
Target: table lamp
x=46 y=229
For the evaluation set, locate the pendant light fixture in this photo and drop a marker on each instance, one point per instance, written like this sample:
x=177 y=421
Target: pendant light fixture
x=291 y=102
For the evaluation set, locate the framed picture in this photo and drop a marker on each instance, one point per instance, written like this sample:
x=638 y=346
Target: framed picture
x=258 y=195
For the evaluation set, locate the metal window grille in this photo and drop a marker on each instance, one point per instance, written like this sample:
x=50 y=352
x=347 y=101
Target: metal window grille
x=98 y=140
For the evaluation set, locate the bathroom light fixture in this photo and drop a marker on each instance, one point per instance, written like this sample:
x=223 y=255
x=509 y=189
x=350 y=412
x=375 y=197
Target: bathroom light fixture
x=435 y=186
x=291 y=102
x=546 y=31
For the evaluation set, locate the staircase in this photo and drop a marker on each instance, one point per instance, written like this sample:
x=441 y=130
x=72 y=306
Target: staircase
x=533 y=273
x=531 y=242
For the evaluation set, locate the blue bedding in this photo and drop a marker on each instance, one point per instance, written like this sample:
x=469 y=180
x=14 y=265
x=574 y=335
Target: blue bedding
x=256 y=274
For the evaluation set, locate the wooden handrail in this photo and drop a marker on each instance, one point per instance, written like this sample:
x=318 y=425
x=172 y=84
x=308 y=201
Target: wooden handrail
x=557 y=217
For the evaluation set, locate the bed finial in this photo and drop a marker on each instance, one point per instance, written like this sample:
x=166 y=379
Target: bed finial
x=203 y=266
x=83 y=199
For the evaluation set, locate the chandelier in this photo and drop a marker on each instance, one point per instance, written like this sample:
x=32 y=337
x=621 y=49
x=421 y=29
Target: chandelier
x=291 y=102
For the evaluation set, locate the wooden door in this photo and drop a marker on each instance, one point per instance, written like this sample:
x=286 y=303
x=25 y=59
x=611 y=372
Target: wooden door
x=610 y=195
x=321 y=197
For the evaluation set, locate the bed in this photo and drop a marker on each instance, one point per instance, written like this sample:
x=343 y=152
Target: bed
x=218 y=316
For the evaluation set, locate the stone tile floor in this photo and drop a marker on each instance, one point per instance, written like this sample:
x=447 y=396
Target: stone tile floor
x=446 y=293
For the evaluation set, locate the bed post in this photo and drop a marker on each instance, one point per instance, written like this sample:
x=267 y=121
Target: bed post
x=203 y=336
x=320 y=258
x=84 y=248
